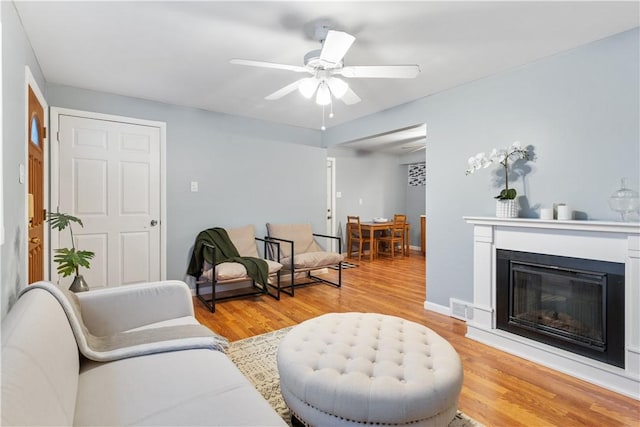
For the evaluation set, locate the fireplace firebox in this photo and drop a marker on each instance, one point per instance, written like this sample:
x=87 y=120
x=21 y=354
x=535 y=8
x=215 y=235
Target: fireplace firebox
x=570 y=303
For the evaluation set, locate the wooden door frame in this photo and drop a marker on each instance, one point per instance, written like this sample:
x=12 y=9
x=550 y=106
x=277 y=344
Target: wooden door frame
x=56 y=112
x=30 y=81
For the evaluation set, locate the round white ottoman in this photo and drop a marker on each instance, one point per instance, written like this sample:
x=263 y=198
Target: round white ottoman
x=351 y=369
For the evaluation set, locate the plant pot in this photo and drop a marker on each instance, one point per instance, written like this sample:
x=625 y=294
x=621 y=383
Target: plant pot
x=506 y=208
x=79 y=285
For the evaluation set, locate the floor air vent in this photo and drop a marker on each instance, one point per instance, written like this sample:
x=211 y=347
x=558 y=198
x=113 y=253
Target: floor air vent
x=461 y=309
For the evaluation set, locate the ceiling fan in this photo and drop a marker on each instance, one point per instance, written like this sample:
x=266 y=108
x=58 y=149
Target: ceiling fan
x=326 y=66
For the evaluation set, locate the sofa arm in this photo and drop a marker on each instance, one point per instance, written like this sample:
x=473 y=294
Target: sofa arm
x=112 y=310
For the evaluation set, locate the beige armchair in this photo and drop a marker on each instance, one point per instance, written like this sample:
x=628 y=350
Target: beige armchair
x=231 y=279
x=301 y=255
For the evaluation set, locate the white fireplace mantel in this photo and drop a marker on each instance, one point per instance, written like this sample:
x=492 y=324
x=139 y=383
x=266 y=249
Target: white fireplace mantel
x=597 y=240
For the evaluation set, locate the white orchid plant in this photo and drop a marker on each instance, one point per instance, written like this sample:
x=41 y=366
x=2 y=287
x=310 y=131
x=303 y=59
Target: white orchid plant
x=502 y=156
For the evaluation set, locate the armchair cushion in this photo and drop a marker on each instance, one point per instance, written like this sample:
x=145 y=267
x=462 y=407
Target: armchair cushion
x=300 y=234
x=234 y=270
x=243 y=238
x=313 y=260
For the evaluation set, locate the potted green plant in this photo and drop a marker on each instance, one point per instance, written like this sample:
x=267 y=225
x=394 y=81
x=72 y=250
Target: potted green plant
x=70 y=260
x=505 y=201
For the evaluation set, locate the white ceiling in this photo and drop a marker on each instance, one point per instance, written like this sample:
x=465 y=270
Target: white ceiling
x=179 y=52
x=397 y=141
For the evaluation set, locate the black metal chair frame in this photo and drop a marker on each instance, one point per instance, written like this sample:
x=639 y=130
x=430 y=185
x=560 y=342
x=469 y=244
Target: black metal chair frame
x=312 y=279
x=256 y=289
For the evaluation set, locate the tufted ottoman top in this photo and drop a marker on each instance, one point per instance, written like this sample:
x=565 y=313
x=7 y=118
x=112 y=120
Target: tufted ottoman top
x=370 y=368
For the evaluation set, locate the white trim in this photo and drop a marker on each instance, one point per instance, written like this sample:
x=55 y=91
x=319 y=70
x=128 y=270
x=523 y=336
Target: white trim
x=332 y=232
x=552 y=224
x=440 y=309
x=29 y=80
x=1 y=148
x=56 y=112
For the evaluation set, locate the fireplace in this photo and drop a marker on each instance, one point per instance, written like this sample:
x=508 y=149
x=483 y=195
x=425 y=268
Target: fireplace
x=584 y=342
x=573 y=304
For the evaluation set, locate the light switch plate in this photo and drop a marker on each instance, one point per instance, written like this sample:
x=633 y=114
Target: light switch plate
x=194 y=186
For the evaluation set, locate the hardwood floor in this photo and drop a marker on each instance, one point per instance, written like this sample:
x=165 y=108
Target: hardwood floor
x=499 y=389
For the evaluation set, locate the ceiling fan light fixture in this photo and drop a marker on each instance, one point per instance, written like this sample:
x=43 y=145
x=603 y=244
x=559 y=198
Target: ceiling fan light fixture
x=324 y=64
x=338 y=87
x=308 y=87
x=323 y=97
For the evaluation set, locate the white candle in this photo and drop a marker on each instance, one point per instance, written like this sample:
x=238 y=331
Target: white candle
x=565 y=213
x=546 y=213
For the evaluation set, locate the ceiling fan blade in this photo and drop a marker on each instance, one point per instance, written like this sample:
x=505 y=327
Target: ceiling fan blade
x=350 y=97
x=263 y=64
x=284 y=91
x=381 y=71
x=335 y=46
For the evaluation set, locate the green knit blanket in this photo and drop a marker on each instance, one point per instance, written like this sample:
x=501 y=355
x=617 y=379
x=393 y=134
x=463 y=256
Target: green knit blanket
x=257 y=268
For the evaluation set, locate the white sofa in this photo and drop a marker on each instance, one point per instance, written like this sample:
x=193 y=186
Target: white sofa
x=45 y=381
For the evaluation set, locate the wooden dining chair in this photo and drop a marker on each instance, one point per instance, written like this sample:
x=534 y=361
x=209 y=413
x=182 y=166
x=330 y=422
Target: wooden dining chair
x=395 y=235
x=356 y=236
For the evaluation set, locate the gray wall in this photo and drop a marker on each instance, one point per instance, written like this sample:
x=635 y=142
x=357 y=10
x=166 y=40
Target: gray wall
x=249 y=171
x=415 y=205
x=375 y=178
x=381 y=181
x=16 y=53
x=579 y=110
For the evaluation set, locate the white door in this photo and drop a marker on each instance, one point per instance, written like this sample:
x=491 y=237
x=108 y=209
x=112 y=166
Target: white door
x=109 y=177
x=331 y=202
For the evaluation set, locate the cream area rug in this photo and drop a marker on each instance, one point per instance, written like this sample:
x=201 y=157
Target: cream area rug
x=256 y=358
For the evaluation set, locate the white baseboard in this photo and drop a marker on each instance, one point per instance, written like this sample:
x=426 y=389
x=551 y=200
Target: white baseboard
x=440 y=309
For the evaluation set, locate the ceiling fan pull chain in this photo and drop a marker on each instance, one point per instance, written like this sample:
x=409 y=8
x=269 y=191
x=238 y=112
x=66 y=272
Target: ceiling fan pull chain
x=323 y=126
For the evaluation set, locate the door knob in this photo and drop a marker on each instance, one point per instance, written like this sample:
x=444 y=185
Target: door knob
x=154 y=222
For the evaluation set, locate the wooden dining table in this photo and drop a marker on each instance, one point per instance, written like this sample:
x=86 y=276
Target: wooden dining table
x=373 y=227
